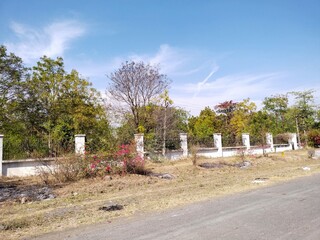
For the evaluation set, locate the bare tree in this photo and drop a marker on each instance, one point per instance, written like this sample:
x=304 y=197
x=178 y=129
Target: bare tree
x=137 y=84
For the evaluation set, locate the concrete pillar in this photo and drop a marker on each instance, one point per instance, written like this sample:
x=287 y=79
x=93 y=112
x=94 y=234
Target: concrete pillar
x=1 y=153
x=269 y=140
x=218 y=142
x=293 y=141
x=184 y=144
x=138 y=139
x=80 y=141
x=246 y=140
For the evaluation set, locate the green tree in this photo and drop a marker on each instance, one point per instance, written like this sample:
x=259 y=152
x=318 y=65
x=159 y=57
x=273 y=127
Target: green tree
x=60 y=104
x=44 y=90
x=277 y=106
x=12 y=76
x=317 y=121
x=259 y=124
x=304 y=111
x=153 y=127
x=225 y=112
x=241 y=117
x=43 y=108
x=201 y=128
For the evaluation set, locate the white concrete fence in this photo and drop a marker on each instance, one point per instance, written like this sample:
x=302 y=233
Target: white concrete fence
x=219 y=151
x=31 y=166
x=26 y=167
x=170 y=154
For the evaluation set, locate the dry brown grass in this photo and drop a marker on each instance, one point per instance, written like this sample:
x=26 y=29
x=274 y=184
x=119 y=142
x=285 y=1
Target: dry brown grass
x=78 y=203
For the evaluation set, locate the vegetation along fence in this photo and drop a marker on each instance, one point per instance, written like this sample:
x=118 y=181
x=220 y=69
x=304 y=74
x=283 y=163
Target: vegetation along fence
x=25 y=167
x=30 y=166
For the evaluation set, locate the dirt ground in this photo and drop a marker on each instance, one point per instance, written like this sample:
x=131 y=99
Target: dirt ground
x=61 y=206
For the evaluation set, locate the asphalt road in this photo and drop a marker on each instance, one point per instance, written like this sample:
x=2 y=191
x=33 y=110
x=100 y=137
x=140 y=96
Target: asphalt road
x=289 y=210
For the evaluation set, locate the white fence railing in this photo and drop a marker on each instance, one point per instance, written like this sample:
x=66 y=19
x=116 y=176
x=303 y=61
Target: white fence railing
x=31 y=166
x=27 y=167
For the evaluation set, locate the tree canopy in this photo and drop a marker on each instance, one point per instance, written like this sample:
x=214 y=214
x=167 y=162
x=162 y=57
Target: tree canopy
x=43 y=107
x=137 y=85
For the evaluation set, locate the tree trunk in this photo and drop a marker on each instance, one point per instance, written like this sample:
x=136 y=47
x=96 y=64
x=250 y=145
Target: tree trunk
x=164 y=132
x=298 y=134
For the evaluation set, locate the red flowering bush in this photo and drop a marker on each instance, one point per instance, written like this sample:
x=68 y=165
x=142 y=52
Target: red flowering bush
x=314 y=138
x=130 y=160
x=98 y=166
x=124 y=160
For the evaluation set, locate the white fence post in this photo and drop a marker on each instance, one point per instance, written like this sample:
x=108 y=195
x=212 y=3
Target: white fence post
x=138 y=138
x=80 y=141
x=269 y=140
x=184 y=143
x=246 y=140
x=293 y=141
x=1 y=153
x=218 y=142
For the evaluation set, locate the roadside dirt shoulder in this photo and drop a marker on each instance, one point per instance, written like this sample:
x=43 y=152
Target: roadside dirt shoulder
x=82 y=203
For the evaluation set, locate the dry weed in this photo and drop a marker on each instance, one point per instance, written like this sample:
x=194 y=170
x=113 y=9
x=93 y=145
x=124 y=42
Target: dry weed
x=78 y=202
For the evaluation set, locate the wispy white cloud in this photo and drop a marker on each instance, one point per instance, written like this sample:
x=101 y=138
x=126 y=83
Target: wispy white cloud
x=229 y=82
x=195 y=96
x=52 y=40
x=174 y=62
x=171 y=61
x=190 y=90
x=201 y=84
x=197 y=81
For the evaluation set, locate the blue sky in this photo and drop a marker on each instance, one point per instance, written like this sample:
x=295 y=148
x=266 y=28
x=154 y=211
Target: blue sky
x=211 y=50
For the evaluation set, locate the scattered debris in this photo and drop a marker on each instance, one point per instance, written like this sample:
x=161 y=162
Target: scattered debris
x=112 y=207
x=212 y=165
x=314 y=154
x=74 y=193
x=23 y=200
x=311 y=153
x=260 y=180
x=306 y=168
x=25 y=194
x=107 y=177
x=167 y=176
x=243 y=165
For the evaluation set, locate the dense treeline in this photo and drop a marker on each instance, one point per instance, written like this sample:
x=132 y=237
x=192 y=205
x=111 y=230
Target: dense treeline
x=43 y=107
x=277 y=117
